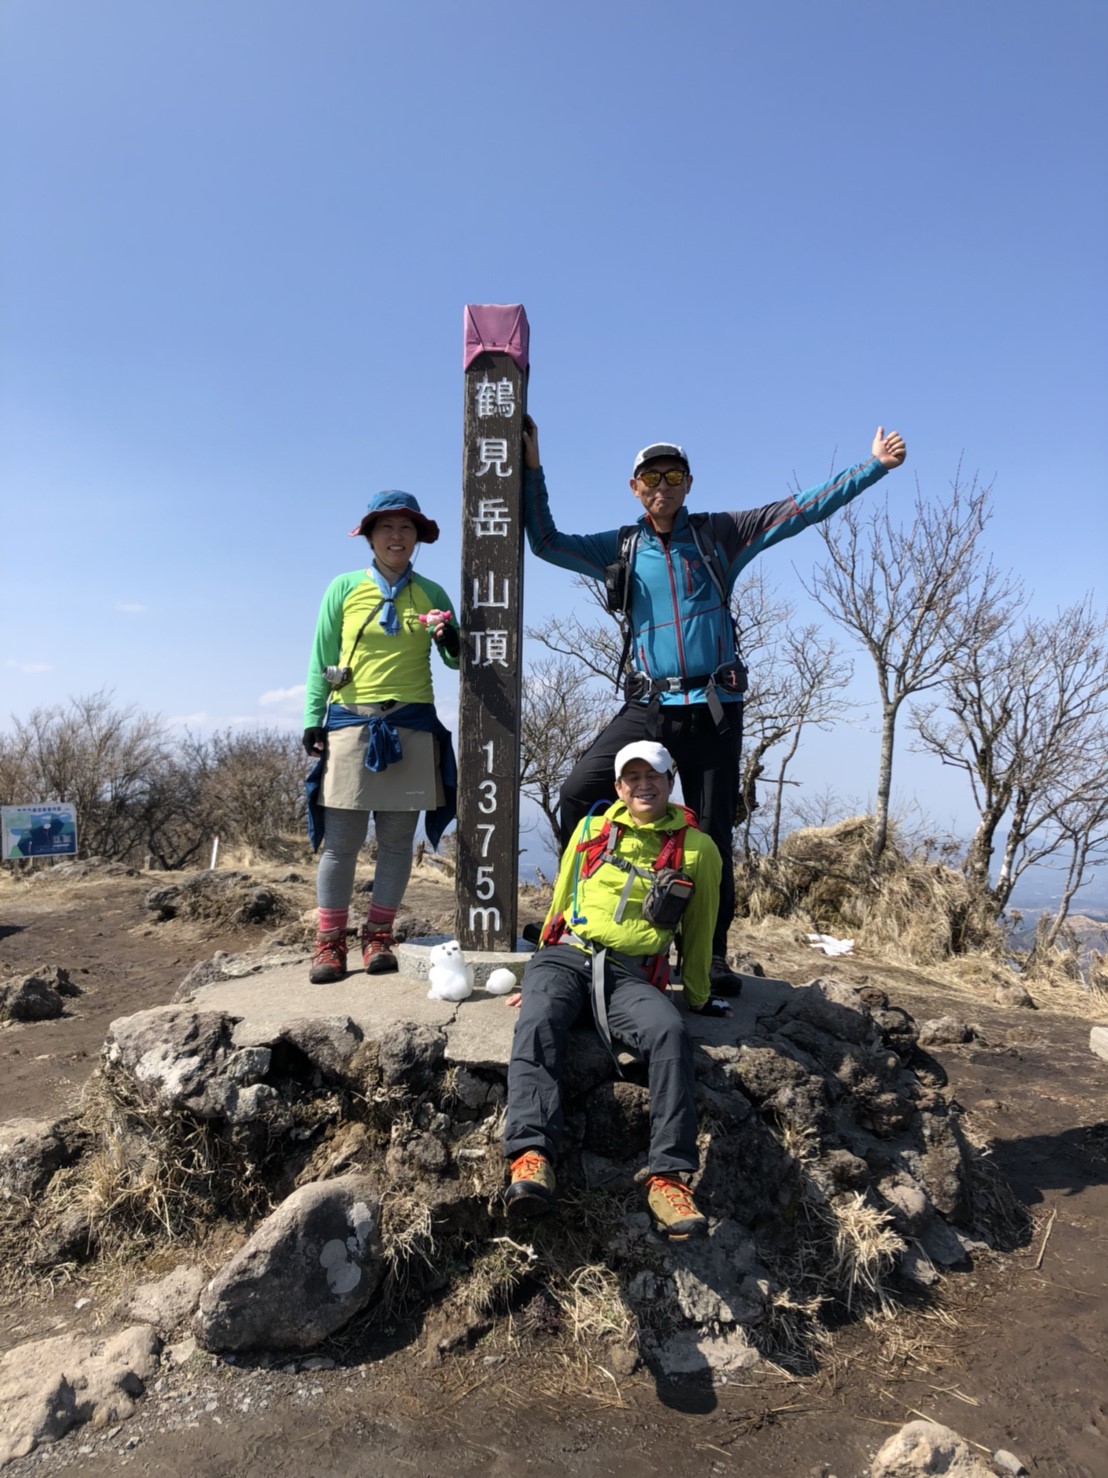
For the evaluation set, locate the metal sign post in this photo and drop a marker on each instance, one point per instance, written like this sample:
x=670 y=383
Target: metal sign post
x=495 y=361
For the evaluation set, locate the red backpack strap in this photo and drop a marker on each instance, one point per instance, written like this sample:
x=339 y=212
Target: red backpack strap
x=595 y=850
x=658 y=971
x=555 y=929
x=672 y=853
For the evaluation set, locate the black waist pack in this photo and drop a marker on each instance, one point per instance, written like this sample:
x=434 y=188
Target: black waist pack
x=667 y=898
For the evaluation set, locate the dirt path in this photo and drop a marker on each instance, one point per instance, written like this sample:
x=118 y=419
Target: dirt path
x=1014 y=1354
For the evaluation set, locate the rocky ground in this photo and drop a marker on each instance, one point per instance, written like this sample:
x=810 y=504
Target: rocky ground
x=1008 y=1351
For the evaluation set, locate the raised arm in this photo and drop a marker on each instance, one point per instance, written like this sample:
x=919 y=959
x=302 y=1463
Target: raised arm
x=584 y=554
x=531 y=456
x=746 y=533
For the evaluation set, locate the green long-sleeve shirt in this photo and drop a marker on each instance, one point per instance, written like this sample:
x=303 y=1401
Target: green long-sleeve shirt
x=384 y=668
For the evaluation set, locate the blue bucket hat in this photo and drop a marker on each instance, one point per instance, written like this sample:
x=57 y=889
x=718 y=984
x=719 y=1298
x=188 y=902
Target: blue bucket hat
x=393 y=500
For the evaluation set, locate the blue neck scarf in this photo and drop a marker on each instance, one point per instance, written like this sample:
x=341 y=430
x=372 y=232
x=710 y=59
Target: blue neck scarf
x=390 y=622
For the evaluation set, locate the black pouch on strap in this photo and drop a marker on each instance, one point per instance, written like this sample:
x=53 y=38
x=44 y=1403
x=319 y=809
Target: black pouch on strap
x=667 y=898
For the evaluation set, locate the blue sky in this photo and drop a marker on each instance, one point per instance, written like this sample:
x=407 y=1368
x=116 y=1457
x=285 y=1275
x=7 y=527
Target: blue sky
x=239 y=235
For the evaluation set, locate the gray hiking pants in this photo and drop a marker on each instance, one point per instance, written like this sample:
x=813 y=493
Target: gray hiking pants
x=344 y=834
x=557 y=988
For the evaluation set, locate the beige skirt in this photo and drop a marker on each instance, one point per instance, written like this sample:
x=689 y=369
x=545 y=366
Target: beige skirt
x=413 y=783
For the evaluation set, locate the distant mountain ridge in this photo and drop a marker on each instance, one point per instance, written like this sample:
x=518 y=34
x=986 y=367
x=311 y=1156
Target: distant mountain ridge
x=1091 y=932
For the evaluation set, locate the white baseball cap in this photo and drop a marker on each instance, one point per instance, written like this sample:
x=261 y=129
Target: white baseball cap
x=657 y=756
x=660 y=449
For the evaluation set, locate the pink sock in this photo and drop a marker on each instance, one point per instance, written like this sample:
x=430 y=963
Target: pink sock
x=330 y=919
x=380 y=918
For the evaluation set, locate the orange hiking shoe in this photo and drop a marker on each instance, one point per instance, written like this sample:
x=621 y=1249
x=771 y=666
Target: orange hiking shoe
x=329 y=960
x=532 y=1190
x=377 y=951
x=673 y=1208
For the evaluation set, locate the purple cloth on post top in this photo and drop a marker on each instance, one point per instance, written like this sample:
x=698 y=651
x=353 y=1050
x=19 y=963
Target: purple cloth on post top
x=497 y=328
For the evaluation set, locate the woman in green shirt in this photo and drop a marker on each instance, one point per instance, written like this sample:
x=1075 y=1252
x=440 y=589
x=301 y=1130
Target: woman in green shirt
x=370 y=722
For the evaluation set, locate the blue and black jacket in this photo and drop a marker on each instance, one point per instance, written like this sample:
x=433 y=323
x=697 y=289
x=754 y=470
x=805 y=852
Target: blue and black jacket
x=680 y=628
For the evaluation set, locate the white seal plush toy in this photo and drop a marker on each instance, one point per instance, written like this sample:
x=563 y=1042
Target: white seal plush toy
x=501 y=982
x=450 y=977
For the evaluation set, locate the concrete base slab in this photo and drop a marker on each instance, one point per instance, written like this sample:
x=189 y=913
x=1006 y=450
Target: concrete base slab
x=414 y=958
x=265 y=1002
x=478 y=1029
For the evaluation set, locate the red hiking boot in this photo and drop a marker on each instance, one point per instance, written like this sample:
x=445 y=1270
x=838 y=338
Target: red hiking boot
x=329 y=960
x=377 y=951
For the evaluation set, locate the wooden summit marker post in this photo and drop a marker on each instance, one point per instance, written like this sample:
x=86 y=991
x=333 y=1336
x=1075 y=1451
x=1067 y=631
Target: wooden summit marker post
x=495 y=361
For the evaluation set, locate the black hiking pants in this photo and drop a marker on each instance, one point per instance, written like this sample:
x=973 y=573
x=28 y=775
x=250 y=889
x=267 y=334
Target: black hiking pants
x=557 y=986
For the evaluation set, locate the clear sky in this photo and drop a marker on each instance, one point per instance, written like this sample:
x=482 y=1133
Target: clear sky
x=238 y=236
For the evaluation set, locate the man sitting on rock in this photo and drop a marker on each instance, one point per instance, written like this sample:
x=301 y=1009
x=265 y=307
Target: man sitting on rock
x=628 y=880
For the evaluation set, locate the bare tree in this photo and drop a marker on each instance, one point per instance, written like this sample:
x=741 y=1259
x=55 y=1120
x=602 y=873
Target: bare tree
x=16 y=784
x=820 y=807
x=594 y=647
x=563 y=709
x=1084 y=840
x=251 y=783
x=796 y=680
x=99 y=758
x=139 y=794
x=916 y=598
x=176 y=823
x=1024 y=715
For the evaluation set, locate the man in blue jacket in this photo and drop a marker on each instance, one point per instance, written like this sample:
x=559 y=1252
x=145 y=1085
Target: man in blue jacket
x=684 y=685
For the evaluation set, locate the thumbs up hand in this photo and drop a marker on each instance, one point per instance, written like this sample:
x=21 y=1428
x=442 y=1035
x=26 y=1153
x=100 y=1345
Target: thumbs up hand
x=889 y=450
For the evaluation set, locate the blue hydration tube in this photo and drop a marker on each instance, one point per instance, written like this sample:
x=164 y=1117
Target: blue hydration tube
x=574 y=917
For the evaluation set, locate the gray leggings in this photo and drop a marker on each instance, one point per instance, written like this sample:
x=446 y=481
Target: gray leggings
x=343 y=835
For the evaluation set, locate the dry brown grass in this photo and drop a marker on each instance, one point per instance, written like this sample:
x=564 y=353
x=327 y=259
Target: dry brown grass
x=273 y=852
x=1068 y=971
x=152 y=1181
x=998 y=1213
x=925 y=913
x=792 y=1334
x=842 y=1253
x=865 y=1248
x=560 y=1375
x=909 y=911
x=496 y=1272
x=22 y=1276
x=581 y=1294
x=410 y=1249
x=981 y=974
x=592 y=1303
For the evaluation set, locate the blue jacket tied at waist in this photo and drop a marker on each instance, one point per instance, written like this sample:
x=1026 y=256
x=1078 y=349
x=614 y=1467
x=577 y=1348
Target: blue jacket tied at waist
x=383 y=749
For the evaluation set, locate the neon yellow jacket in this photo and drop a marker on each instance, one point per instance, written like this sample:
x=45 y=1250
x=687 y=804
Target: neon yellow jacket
x=598 y=896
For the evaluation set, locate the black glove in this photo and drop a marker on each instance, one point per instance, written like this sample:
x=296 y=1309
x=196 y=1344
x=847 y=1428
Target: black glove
x=712 y=1007
x=450 y=639
x=315 y=742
